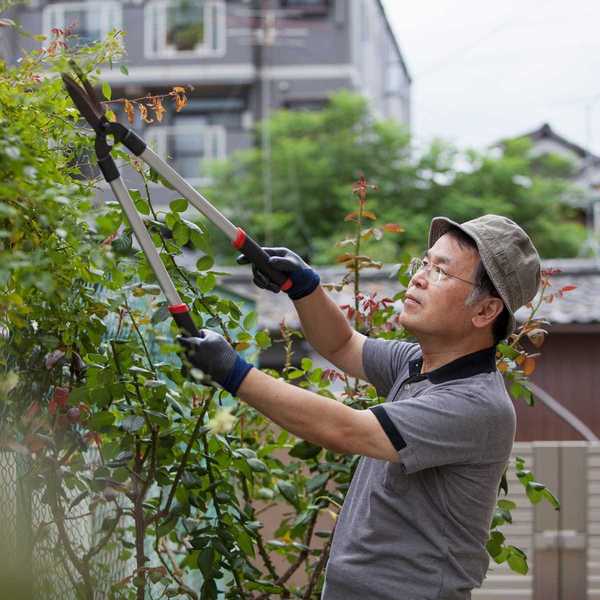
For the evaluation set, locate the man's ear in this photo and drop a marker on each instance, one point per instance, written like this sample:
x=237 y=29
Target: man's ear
x=488 y=309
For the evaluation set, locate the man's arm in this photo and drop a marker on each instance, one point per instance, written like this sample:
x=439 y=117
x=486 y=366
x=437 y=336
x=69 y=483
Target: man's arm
x=323 y=323
x=317 y=419
x=329 y=333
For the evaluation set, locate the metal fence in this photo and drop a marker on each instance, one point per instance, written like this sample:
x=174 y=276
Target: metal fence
x=33 y=563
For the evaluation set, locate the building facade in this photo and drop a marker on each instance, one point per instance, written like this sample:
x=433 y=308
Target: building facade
x=243 y=58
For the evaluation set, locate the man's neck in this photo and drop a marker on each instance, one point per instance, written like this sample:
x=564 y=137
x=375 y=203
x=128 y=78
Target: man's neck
x=438 y=352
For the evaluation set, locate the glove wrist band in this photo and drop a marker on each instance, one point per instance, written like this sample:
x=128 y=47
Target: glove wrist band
x=305 y=281
x=236 y=375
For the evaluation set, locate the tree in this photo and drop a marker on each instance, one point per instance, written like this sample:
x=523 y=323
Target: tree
x=316 y=154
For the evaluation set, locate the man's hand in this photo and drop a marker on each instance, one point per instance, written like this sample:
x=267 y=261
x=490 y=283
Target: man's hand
x=212 y=354
x=304 y=279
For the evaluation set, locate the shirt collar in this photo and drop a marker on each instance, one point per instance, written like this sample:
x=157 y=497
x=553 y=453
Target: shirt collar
x=482 y=361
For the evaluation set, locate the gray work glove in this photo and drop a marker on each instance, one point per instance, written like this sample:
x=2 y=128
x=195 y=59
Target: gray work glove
x=304 y=279
x=212 y=354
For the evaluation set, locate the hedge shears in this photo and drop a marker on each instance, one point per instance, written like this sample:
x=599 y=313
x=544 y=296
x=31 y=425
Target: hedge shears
x=94 y=113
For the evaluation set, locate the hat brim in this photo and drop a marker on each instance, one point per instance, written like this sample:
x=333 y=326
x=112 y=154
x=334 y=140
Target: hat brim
x=440 y=226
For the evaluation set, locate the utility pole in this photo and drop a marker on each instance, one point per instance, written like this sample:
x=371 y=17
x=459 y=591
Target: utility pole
x=264 y=32
x=264 y=37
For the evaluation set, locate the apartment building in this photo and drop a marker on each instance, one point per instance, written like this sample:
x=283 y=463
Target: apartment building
x=244 y=59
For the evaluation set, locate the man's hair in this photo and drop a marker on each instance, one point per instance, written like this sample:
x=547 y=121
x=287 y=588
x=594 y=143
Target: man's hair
x=483 y=284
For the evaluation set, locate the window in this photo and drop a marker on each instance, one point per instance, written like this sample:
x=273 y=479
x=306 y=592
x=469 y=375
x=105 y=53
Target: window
x=89 y=21
x=187 y=144
x=184 y=27
x=305 y=104
x=307 y=7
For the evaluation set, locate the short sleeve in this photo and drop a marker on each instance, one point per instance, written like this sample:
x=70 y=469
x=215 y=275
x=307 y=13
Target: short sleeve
x=384 y=360
x=437 y=428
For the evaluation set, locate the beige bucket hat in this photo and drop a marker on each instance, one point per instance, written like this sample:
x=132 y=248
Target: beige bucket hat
x=507 y=253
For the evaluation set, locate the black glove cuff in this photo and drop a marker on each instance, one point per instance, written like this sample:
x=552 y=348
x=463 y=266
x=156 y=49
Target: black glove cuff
x=236 y=375
x=304 y=283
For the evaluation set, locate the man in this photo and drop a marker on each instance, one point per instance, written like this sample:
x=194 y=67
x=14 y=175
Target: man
x=416 y=517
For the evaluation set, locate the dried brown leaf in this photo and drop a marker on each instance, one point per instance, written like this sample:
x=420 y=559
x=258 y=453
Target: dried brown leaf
x=129 y=111
x=144 y=113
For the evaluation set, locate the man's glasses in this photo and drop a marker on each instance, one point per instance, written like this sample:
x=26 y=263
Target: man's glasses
x=434 y=273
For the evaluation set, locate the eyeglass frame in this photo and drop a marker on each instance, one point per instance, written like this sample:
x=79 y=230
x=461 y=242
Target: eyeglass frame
x=417 y=264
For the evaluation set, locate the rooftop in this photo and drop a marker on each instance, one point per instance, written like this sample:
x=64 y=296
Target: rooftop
x=580 y=306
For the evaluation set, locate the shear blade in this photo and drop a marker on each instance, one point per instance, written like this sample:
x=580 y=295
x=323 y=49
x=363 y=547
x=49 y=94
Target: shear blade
x=81 y=98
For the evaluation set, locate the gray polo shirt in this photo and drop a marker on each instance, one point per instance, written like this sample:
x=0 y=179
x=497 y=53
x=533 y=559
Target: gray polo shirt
x=416 y=530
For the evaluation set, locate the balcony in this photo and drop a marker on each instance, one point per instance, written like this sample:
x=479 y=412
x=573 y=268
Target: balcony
x=184 y=29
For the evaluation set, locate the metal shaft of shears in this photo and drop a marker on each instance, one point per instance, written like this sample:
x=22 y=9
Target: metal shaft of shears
x=192 y=195
x=177 y=308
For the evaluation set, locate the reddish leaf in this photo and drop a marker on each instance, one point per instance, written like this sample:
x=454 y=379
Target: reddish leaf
x=529 y=366
x=393 y=228
x=568 y=288
x=369 y=215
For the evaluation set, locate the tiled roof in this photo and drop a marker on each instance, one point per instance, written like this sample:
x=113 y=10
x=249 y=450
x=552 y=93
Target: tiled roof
x=580 y=306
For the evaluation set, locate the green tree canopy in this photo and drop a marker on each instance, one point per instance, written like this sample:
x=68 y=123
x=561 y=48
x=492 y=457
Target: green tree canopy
x=316 y=155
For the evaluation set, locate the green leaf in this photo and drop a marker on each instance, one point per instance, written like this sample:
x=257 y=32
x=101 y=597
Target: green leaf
x=265 y=493
x=257 y=465
x=518 y=564
x=250 y=320
x=124 y=70
x=181 y=233
x=506 y=504
x=179 y=205
x=204 y=263
x=288 y=491
x=206 y=561
x=160 y=315
x=305 y=450
x=306 y=364
x=552 y=499
x=206 y=283
x=132 y=423
x=317 y=482
x=166 y=526
x=101 y=421
x=106 y=91
x=294 y=374
x=263 y=339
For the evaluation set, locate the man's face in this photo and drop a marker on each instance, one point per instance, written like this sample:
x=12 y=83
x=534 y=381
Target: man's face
x=439 y=309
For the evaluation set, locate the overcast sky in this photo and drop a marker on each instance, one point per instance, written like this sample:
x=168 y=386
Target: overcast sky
x=484 y=70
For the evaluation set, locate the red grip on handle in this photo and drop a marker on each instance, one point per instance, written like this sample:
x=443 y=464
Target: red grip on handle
x=240 y=238
x=287 y=284
x=178 y=308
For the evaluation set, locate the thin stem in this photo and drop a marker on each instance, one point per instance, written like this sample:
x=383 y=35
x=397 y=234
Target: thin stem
x=211 y=479
x=139 y=333
x=186 y=454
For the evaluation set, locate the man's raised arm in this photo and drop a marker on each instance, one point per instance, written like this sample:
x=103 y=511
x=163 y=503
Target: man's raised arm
x=323 y=323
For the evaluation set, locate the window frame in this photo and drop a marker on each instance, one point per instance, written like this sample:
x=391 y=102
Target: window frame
x=157 y=138
x=106 y=10
x=216 y=30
